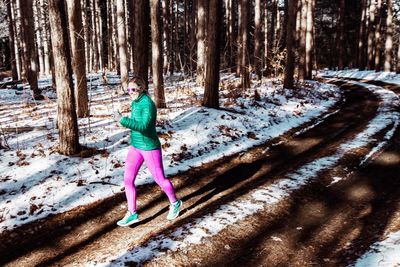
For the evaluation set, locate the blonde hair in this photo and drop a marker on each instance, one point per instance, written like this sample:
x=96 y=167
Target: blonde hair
x=140 y=82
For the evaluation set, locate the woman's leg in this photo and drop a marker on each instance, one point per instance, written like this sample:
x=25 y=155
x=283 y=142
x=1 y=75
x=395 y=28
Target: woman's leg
x=132 y=165
x=153 y=159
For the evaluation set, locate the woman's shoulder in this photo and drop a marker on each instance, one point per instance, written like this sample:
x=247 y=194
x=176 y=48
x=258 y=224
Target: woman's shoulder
x=147 y=100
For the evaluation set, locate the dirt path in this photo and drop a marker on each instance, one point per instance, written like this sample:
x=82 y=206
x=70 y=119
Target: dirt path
x=318 y=224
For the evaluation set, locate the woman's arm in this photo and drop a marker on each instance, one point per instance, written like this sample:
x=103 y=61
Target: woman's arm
x=139 y=125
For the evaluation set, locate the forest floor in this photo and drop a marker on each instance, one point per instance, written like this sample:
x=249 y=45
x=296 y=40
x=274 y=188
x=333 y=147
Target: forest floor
x=290 y=180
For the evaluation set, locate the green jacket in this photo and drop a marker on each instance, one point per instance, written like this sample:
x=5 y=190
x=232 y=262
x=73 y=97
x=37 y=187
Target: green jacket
x=142 y=123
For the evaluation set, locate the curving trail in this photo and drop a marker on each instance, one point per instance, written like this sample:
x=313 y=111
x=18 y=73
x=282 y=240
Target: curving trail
x=316 y=197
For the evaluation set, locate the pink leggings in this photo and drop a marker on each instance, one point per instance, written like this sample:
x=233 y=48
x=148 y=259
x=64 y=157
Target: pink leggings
x=153 y=159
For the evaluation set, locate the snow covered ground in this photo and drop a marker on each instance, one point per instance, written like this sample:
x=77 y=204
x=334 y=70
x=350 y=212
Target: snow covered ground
x=384 y=253
x=35 y=181
x=388 y=77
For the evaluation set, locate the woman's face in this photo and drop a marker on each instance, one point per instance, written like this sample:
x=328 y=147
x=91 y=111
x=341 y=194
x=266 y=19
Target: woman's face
x=133 y=90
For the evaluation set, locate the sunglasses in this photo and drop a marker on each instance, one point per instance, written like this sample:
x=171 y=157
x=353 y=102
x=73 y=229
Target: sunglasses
x=133 y=89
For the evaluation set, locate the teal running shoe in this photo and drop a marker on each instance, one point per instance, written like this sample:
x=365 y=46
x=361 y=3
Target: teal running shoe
x=129 y=219
x=174 y=209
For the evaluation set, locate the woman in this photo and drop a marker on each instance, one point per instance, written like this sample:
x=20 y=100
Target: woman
x=145 y=146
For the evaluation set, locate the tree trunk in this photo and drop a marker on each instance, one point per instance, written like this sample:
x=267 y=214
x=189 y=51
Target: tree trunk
x=39 y=40
x=362 y=37
x=245 y=60
x=398 y=56
x=389 y=36
x=78 y=57
x=202 y=7
x=157 y=53
x=309 y=39
x=166 y=34
x=239 y=41
x=104 y=33
x=257 y=38
x=211 y=86
x=267 y=57
x=341 y=43
x=302 y=39
x=17 y=40
x=141 y=46
x=67 y=121
x=14 y=70
x=28 y=34
x=290 y=42
x=371 y=35
x=378 y=36
x=122 y=49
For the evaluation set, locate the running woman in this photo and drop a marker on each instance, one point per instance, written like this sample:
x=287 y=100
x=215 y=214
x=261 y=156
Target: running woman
x=145 y=146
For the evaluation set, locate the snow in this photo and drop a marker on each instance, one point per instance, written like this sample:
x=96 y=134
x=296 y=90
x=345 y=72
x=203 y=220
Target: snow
x=335 y=180
x=387 y=77
x=35 y=181
x=385 y=253
x=265 y=197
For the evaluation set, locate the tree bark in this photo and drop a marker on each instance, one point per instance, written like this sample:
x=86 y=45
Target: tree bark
x=78 y=56
x=157 y=53
x=122 y=49
x=30 y=64
x=211 y=86
x=389 y=36
x=398 y=56
x=13 y=57
x=202 y=7
x=257 y=38
x=67 y=121
x=141 y=46
x=362 y=37
x=309 y=39
x=290 y=42
x=245 y=38
x=302 y=39
x=371 y=35
x=39 y=41
x=378 y=36
x=166 y=34
x=341 y=43
x=267 y=57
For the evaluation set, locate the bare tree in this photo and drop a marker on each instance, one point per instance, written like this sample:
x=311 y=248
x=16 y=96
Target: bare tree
x=29 y=47
x=245 y=39
x=340 y=43
x=211 y=85
x=157 y=53
x=371 y=34
x=257 y=37
x=290 y=43
x=141 y=45
x=12 y=41
x=389 y=36
x=378 y=36
x=122 y=49
x=66 y=116
x=362 y=36
x=78 y=56
x=202 y=7
x=309 y=39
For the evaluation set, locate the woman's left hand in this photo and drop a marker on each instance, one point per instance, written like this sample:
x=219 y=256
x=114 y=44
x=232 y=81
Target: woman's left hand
x=117 y=116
